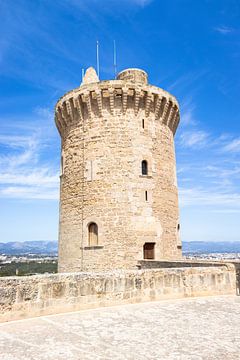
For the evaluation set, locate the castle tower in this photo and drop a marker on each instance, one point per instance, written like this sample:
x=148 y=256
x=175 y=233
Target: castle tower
x=119 y=197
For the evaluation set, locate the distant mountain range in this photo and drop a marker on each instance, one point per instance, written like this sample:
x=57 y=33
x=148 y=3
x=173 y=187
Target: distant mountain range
x=51 y=247
x=29 y=247
x=199 y=247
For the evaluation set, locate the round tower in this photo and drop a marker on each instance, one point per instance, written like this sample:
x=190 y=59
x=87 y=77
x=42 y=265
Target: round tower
x=118 y=197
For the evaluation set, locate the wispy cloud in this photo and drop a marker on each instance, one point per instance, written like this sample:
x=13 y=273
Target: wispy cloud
x=233 y=146
x=187 y=112
x=27 y=193
x=224 y=30
x=24 y=173
x=208 y=197
x=193 y=139
x=26 y=154
x=141 y=3
x=186 y=80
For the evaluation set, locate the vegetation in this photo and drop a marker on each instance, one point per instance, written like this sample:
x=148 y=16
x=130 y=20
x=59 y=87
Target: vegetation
x=28 y=268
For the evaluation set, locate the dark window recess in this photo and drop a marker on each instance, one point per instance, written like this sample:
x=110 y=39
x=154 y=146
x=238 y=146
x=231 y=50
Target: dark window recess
x=146 y=195
x=144 y=167
x=143 y=125
x=178 y=227
x=148 y=251
x=92 y=234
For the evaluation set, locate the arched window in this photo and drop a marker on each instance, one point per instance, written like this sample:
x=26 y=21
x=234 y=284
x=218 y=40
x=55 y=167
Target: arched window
x=92 y=234
x=144 y=167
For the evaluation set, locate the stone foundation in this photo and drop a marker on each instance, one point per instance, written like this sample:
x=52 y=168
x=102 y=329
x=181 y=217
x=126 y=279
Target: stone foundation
x=22 y=297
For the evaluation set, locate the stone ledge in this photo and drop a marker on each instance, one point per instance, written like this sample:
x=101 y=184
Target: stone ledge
x=97 y=247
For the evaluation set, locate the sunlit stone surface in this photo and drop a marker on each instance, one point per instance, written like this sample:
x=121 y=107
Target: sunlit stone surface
x=188 y=329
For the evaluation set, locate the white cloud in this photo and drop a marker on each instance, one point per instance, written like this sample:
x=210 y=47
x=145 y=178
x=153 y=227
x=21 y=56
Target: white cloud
x=208 y=197
x=187 y=113
x=226 y=211
x=14 y=140
x=27 y=153
x=26 y=171
x=193 y=139
x=36 y=177
x=25 y=192
x=141 y=2
x=233 y=146
x=223 y=30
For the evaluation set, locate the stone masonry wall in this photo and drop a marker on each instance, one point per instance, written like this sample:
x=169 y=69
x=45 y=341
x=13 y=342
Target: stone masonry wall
x=22 y=297
x=103 y=144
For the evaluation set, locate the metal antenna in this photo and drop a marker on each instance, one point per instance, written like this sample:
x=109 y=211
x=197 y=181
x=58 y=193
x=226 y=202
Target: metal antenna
x=115 y=59
x=98 y=58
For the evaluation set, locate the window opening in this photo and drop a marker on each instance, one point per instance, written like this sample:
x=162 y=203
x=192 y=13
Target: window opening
x=144 y=167
x=92 y=234
x=146 y=196
x=148 y=251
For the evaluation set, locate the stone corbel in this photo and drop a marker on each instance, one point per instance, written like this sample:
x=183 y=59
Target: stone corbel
x=124 y=100
x=99 y=101
x=88 y=102
x=176 y=122
x=157 y=107
x=148 y=103
x=166 y=112
x=58 y=122
x=111 y=100
x=65 y=112
x=70 y=108
x=171 y=115
x=78 y=105
x=136 y=101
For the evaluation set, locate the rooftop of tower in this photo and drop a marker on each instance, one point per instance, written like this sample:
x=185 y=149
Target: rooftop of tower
x=130 y=83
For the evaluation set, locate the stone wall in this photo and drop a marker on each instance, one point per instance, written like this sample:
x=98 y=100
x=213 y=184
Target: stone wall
x=22 y=297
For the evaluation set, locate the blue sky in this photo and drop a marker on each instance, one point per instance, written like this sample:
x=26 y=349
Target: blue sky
x=190 y=48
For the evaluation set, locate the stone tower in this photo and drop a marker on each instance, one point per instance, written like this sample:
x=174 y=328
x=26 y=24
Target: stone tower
x=119 y=196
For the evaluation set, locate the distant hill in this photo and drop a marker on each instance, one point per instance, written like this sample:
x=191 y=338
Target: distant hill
x=29 y=247
x=200 y=247
x=51 y=247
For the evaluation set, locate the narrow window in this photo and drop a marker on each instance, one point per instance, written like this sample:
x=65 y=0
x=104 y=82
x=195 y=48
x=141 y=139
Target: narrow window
x=143 y=123
x=92 y=234
x=146 y=196
x=144 y=167
x=178 y=227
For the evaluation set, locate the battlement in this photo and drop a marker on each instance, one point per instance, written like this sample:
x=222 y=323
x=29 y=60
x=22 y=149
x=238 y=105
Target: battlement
x=130 y=92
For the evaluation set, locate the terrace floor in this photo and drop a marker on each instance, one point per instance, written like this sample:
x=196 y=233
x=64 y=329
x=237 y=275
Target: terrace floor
x=188 y=329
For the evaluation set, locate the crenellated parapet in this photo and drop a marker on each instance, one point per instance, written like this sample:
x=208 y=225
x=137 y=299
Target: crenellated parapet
x=130 y=92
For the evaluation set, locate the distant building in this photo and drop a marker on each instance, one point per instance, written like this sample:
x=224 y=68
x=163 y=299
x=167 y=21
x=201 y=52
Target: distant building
x=119 y=196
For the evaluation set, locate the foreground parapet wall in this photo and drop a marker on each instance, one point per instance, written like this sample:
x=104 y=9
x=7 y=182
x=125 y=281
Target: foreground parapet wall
x=23 y=297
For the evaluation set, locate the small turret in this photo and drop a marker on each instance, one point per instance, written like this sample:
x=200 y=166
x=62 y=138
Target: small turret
x=133 y=75
x=90 y=76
